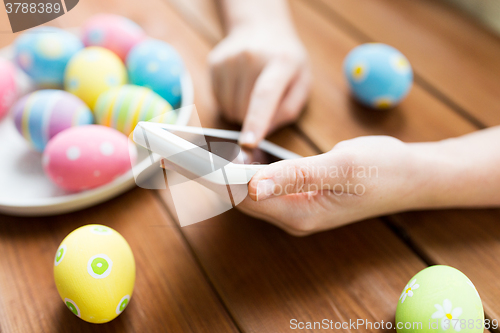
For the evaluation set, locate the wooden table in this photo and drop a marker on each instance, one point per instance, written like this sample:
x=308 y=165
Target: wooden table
x=234 y=273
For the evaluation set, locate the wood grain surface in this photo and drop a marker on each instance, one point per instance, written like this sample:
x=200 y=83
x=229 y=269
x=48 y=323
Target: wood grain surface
x=423 y=116
x=465 y=239
x=171 y=292
x=266 y=277
x=419 y=228
x=454 y=56
x=234 y=273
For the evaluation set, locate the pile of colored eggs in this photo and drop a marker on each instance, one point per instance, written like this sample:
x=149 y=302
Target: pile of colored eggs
x=113 y=76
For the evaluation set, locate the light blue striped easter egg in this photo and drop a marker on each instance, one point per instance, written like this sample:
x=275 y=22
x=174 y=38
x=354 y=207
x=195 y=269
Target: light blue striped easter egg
x=41 y=115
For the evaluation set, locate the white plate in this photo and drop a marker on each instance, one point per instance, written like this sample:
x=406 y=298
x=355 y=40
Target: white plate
x=24 y=188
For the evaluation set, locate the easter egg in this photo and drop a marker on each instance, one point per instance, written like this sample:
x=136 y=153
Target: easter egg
x=379 y=75
x=157 y=65
x=86 y=157
x=94 y=271
x=8 y=88
x=441 y=299
x=122 y=108
x=44 y=52
x=114 y=32
x=92 y=71
x=41 y=115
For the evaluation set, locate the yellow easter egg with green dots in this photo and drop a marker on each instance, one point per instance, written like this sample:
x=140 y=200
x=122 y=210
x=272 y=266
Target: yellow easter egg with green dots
x=94 y=271
x=93 y=71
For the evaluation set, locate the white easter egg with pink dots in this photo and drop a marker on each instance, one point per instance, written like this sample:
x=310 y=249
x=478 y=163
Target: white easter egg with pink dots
x=86 y=157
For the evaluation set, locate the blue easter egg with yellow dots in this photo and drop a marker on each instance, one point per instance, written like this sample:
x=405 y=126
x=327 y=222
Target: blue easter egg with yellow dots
x=379 y=75
x=94 y=272
x=157 y=65
x=44 y=52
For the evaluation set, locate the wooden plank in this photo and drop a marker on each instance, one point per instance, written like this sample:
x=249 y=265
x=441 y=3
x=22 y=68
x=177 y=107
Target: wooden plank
x=426 y=229
x=449 y=50
x=266 y=277
x=203 y=16
x=171 y=292
x=423 y=129
x=412 y=121
x=421 y=117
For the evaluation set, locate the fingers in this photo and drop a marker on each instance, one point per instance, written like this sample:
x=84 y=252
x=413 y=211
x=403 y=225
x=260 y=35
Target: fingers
x=305 y=213
x=233 y=78
x=224 y=76
x=266 y=95
x=249 y=69
x=292 y=214
x=224 y=86
x=333 y=171
x=294 y=100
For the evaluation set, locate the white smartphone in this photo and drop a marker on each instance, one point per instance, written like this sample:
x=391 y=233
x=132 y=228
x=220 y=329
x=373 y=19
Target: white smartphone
x=199 y=153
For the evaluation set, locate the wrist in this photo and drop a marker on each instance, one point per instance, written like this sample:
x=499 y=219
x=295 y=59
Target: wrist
x=281 y=25
x=438 y=180
x=250 y=15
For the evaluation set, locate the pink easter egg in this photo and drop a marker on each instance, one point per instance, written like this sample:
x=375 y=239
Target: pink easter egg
x=114 y=32
x=8 y=88
x=87 y=157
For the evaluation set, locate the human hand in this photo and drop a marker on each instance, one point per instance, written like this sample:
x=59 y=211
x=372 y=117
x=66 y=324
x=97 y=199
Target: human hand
x=261 y=77
x=357 y=179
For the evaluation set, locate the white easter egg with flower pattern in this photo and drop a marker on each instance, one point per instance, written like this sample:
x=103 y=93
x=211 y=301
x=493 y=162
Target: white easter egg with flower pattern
x=440 y=299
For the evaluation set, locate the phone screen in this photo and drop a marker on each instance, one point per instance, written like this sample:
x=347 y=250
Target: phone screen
x=229 y=149
x=197 y=198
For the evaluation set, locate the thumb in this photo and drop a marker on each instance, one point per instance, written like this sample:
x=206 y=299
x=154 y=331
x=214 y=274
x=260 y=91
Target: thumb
x=326 y=172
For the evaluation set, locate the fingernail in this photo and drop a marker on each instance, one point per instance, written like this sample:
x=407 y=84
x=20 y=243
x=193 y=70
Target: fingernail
x=265 y=188
x=247 y=138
